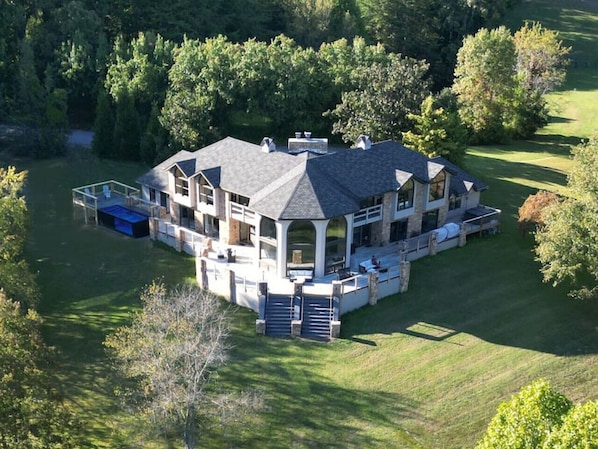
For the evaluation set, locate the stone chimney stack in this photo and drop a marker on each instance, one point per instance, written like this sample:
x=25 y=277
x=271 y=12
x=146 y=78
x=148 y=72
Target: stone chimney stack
x=308 y=143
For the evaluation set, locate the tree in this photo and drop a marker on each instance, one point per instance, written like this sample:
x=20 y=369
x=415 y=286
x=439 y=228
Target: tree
x=103 y=136
x=438 y=131
x=203 y=83
x=127 y=133
x=531 y=212
x=32 y=413
x=579 y=429
x=526 y=419
x=541 y=58
x=172 y=350
x=567 y=246
x=485 y=84
x=386 y=94
x=538 y=417
x=15 y=276
x=540 y=67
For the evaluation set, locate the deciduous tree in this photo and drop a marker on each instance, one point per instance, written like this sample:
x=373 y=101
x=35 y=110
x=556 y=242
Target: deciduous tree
x=387 y=93
x=567 y=246
x=526 y=419
x=172 y=350
x=15 y=277
x=579 y=429
x=485 y=83
x=32 y=413
x=531 y=212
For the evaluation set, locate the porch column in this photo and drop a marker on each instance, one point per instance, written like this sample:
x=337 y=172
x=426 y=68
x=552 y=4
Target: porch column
x=320 y=259
x=281 y=253
x=349 y=218
x=258 y=233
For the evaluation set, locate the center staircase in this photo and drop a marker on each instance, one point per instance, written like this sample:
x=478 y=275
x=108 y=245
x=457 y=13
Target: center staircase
x=317 y=315
x=279 y=312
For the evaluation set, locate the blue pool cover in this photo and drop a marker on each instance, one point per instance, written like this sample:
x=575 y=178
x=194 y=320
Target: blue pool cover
x=124 y=220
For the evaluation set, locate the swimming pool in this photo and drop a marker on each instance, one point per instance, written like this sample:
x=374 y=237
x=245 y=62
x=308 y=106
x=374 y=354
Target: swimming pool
x=124 y=220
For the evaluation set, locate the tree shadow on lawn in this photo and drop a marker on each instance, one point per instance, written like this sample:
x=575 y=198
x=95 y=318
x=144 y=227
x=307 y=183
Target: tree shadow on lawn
x=288 y=372
x=490 y=289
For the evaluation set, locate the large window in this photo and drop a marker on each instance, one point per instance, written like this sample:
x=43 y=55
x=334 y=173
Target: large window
x=430 y=221
x=206 y=192
x=301 y=245
x=268 y=239
x=405 y=195
x=181 y=182
x=398 y=230
x=437 y=187
x=336 y=244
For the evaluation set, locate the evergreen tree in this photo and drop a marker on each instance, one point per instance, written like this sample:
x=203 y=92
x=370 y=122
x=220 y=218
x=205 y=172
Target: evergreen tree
x=103 y=136
x=127 y=137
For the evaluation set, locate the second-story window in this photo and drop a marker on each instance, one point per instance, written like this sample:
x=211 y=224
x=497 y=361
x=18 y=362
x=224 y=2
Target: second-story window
x=371 y=202
x=206 y=192
x=437 y=187
x=181 y=182
x=405 y=195
x=239 y=199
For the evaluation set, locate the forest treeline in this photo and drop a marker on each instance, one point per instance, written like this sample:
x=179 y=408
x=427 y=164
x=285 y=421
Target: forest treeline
x=55 y=55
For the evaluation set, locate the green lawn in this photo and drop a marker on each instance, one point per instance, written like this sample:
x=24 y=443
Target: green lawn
x=426 y=369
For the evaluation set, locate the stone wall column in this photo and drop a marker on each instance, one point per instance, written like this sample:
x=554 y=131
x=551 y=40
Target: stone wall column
x=373 y=288
x=153 y=228
x=260 y=323
x=232 y=285
x=178 y=235
x=462 y=235
x=433 y=243
x=404 y=273
x=201 y=273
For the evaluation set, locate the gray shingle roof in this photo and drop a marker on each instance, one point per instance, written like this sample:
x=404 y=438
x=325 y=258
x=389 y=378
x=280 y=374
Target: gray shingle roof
x=461 y=181
x=284 y=186
x=157 y=177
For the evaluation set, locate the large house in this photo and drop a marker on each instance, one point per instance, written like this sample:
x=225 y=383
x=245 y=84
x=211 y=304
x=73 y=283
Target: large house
x=308 y=206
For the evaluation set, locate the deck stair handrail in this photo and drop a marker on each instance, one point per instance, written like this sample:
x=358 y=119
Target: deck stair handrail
x=297 y=307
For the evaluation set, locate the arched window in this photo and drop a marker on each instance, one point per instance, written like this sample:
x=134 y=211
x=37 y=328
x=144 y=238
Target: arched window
x=405 y=195
x=336 y=244
x=301 y=245
x=437 y=187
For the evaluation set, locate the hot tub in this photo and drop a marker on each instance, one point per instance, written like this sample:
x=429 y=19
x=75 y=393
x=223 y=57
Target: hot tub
x=124 y=220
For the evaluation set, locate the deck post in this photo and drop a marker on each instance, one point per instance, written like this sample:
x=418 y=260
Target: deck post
x=373 y=288
x=462 y=235
x=232 y=285
x=201 y=273
x=404 y=274
x=433 y=244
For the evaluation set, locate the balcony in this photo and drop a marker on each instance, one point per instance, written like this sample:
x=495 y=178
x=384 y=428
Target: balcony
x=243 y=214
x=368 y=215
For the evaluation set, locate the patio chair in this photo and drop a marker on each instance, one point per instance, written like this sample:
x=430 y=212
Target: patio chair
x=88 y=196
x=106 y=190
